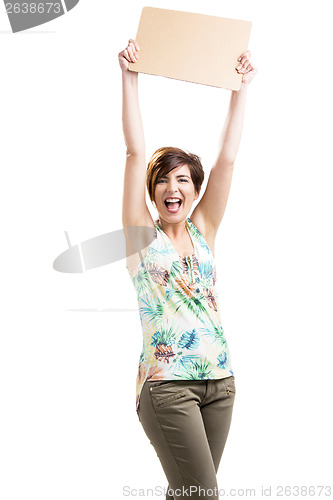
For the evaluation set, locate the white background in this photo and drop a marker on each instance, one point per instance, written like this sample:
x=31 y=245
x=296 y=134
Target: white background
x=68 y=424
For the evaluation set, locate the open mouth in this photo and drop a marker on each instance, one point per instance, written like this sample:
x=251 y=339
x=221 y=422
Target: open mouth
x=173 y=205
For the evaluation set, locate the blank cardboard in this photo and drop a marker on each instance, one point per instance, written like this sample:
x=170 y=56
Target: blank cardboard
x=192 y=47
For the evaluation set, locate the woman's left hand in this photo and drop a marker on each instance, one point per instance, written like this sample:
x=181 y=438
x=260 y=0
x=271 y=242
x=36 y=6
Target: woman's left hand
x=246 y=68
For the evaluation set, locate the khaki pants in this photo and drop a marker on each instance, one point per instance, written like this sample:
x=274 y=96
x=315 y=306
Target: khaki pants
x=187 y=422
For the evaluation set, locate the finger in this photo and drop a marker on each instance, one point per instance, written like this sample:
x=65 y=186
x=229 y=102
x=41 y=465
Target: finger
x=135 y=43
x=130 y=50
x=246 y=54
x=247 y=72
x=246 y=64
x=126 y=55
x=133 y=46
x=240 y=68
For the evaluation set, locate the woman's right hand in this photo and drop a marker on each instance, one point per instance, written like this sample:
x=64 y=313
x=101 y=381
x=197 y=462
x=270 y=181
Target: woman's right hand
x=129 y=55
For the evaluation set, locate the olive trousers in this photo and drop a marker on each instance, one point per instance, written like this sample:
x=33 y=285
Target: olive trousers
x=187 y=422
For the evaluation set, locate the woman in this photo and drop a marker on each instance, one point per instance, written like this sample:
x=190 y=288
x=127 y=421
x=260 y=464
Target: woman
x=185 y=386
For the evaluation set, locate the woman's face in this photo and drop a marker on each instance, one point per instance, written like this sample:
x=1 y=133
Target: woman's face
x=176 y=184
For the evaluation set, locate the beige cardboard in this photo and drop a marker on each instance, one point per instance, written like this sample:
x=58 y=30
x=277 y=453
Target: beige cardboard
x=192 y=47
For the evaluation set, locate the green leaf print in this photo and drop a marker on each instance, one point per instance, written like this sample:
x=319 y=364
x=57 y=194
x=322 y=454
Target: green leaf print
x=153 y=310
x=142 y=357
x=189 y=340
x=215 y=335
x=166 y=336
x=169 y=292
x=222 y=360
x=176 y=269
x=185 y=361
x=192 y=304
x=205 y=269
x=141 y=282
x=192 y=367
x=198 y=236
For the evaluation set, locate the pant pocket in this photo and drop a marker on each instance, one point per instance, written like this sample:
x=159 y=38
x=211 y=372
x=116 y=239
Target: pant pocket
x=156 y=383
x=230 y=387
x=167 y=393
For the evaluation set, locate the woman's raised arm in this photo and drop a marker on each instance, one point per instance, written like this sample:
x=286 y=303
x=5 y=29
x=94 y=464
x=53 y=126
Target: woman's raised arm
x=132 y=122
x=135 y=211
x=213 y=203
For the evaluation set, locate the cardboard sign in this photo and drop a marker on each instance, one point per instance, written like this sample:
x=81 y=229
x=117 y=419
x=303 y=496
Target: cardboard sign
x=192 y=47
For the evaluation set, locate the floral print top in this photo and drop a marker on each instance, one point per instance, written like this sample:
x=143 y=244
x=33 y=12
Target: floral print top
x=179 y=312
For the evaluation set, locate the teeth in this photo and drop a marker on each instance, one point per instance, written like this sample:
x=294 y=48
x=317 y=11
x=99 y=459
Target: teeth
x=172 y=200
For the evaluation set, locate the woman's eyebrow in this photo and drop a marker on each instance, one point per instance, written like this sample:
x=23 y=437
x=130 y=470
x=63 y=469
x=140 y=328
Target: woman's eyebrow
x=180 y=175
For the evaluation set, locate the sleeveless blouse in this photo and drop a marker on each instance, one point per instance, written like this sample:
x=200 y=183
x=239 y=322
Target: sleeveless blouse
x=179 y=312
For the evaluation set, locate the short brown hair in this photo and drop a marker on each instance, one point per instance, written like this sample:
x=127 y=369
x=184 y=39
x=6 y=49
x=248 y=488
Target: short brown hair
x=166 y=159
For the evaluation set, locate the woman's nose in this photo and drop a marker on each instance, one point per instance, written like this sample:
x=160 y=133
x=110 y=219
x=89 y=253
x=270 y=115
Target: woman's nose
x=172 y=186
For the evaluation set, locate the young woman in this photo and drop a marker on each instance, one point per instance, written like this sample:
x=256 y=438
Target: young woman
x=185 y=386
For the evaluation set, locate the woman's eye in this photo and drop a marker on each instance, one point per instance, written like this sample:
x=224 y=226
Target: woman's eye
x=163 y=180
